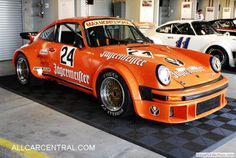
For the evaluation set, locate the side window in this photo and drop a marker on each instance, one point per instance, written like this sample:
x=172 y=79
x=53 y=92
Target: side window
x=184 y=29
x=164 y=29
x=68 y=33
x=48 y=34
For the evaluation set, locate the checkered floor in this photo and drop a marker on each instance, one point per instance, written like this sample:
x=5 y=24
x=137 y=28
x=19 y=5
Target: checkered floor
x=181 y=140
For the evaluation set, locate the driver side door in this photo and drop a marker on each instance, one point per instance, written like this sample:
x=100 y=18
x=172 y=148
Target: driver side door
x=69 y=59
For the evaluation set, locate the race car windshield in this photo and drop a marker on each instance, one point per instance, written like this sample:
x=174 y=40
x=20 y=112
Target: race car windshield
x=104 y=35
x=203 y=28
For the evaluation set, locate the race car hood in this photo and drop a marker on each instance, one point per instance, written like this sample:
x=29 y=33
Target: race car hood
x=184 y=67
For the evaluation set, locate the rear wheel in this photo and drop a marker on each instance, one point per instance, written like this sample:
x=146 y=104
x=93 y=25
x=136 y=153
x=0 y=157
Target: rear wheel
x=114 y=95
x=221 y=54
x=22 y=70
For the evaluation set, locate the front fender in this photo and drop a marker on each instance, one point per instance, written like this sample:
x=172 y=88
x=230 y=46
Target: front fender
x=126 y=74
x=226 y=47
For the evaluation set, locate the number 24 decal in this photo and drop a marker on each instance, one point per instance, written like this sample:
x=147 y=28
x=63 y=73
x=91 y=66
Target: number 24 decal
x=182 y=43
x=67 y=56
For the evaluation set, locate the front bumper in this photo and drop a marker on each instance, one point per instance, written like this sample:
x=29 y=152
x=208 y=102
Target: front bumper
x=192 y=103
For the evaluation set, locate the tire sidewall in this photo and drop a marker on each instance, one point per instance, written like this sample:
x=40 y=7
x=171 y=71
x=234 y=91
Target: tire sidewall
x=222 y=51
x=18 y=57
x=127 y=107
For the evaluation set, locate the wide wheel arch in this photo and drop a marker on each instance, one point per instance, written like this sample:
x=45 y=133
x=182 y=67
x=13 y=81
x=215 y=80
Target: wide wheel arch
x=105 y=70
x=221 y=48
x=132 y=86
x=128 y=106
x=16 y=54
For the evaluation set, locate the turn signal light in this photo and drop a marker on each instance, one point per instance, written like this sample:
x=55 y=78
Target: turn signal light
x=175 y=98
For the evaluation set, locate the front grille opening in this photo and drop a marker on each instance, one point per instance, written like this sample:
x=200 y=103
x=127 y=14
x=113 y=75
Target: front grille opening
x=208 y=105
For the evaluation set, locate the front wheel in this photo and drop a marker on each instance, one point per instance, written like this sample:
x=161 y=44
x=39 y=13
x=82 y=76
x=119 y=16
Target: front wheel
x=114 y=95
x=22 y=70
x=221 y=54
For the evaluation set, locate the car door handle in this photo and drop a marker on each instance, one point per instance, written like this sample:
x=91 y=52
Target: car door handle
x=170 y=37
x=51 y=50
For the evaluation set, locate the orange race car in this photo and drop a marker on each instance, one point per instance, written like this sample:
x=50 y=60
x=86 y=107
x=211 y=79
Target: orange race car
x=112 y=60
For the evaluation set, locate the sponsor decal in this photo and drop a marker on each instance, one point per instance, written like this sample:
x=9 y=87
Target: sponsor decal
x=67 y=56
x=43 y=51
x=174 y=61
x=112 y=113
x=154 y=110
x=139 y=53
x=41 y=69
x=185 y=71
x=183 y=44
x=129 y=59
x=93 y=23
x=79 y=76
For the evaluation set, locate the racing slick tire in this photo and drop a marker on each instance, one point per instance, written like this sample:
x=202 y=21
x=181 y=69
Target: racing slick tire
x=220 y=53
x=114 y=96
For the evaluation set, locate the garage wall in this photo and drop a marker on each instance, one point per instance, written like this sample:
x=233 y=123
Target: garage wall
x=175 y=11
x=132 y=10
x=10 y=27
x=172 y=11
x=31 y=19
x=202 y=4
x=99 y=8
x=223 y=4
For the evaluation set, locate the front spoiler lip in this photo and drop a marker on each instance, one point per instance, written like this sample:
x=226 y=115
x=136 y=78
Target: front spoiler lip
x=204 y=94
x=146 y=92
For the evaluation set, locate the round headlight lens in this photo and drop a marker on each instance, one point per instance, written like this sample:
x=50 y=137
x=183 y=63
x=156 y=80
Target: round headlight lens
x=215 y=64
x=163 y=75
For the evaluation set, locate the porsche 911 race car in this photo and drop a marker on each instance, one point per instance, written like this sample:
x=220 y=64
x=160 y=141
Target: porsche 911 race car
x=111 y=59
x=225 y=26
x=196 y=35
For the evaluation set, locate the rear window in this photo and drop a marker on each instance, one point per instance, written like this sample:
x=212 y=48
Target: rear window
x=48 y=34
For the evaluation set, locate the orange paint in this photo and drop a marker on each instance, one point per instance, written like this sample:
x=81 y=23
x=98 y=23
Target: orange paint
x=193 y=78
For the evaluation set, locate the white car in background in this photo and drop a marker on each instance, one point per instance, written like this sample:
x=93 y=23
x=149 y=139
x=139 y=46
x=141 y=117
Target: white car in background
x=196 y=35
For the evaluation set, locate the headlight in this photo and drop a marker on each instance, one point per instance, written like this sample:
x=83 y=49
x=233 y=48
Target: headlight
x=215 y=64
x=163 y=75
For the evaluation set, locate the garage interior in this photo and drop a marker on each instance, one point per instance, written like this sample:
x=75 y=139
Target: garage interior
x=54 y=114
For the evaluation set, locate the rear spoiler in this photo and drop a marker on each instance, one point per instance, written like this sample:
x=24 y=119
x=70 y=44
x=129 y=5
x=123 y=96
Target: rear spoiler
x=28 y=35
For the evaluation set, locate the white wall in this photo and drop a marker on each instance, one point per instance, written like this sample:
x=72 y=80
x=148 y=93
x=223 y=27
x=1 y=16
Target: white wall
x=175 y=9
x=99 y=8
x=133 y=10
x=223 y=4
